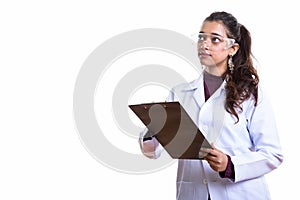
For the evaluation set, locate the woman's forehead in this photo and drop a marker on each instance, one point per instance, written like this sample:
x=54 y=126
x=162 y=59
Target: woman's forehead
x=213 y=27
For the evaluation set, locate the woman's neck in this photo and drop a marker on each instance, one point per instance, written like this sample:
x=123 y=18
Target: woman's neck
x=215 y=71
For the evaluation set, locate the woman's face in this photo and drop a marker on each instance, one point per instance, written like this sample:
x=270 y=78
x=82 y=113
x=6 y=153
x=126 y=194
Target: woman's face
x=213 y=45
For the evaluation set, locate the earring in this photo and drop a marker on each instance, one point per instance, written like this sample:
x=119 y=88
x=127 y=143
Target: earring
x=230 y=64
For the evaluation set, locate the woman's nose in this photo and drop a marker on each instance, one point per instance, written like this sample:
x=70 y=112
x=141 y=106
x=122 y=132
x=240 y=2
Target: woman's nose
x=204 y=45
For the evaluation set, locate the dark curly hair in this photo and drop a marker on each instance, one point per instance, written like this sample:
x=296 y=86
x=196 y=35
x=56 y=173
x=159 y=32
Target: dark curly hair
x=243 y=82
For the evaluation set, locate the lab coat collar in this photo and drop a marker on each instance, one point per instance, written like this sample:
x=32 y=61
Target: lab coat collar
x=196 y=87
x=192 y=97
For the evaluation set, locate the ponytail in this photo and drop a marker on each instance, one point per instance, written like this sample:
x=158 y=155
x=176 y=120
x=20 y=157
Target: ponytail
x=243 y=82
x=243 y=56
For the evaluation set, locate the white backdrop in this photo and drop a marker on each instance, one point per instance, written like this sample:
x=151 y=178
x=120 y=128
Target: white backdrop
x=43 y=46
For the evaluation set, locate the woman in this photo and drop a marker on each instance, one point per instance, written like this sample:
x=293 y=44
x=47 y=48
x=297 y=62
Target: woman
x=230 y=108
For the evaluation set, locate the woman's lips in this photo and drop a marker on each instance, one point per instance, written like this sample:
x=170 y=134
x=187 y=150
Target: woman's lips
x=204 y=54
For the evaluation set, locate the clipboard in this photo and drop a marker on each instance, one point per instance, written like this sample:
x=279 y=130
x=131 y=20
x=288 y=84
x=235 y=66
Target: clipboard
x=170 y=124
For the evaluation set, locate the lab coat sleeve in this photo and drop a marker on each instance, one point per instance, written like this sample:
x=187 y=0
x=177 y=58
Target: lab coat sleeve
x=266 y=154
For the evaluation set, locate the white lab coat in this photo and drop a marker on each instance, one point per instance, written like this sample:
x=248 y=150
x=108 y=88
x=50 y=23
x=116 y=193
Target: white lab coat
x=252 y=144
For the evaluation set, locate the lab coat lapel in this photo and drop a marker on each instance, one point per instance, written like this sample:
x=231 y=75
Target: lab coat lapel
x=192 y=98
x=218 y=114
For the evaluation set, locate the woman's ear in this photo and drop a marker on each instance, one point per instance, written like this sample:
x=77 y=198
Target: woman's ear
x=235 y=47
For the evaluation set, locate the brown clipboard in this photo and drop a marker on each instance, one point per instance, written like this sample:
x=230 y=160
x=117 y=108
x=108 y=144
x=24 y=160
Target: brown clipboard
x=170 y=124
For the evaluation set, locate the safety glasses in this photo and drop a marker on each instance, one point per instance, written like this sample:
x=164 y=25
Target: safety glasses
x=214 y=41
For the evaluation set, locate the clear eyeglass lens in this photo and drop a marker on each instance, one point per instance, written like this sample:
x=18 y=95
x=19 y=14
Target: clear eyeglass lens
x=215 y=41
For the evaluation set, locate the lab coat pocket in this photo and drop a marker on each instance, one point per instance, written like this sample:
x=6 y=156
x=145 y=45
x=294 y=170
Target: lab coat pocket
x=249 y=189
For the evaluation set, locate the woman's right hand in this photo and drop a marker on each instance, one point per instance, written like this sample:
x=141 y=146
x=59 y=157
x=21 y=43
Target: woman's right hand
x=149 y=147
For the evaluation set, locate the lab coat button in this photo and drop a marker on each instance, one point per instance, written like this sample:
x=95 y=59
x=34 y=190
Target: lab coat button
x=205 y=181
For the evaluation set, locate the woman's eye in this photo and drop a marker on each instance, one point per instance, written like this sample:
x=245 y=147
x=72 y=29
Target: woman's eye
x=201 y=38
x=216 y=40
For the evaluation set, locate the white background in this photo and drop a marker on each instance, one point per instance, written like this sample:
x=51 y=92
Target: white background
x=43 y=45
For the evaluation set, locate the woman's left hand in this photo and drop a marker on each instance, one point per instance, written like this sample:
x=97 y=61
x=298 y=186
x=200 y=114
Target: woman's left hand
x=215 y=158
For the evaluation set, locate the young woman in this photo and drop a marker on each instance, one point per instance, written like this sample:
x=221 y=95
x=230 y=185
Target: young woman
x=234 y=113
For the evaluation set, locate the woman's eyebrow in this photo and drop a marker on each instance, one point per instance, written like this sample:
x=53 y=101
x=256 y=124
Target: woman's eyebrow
x=212 y=33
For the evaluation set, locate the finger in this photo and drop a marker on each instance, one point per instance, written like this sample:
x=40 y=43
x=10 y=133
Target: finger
x=214 y=164
x=213 y=152
x=215 y=156
x=202 y=154
x=211 y=158
x=214 y=149
x=213 y=145
x=206 y=150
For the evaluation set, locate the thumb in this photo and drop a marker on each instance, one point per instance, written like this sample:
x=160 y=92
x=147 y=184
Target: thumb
x=212 y=145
